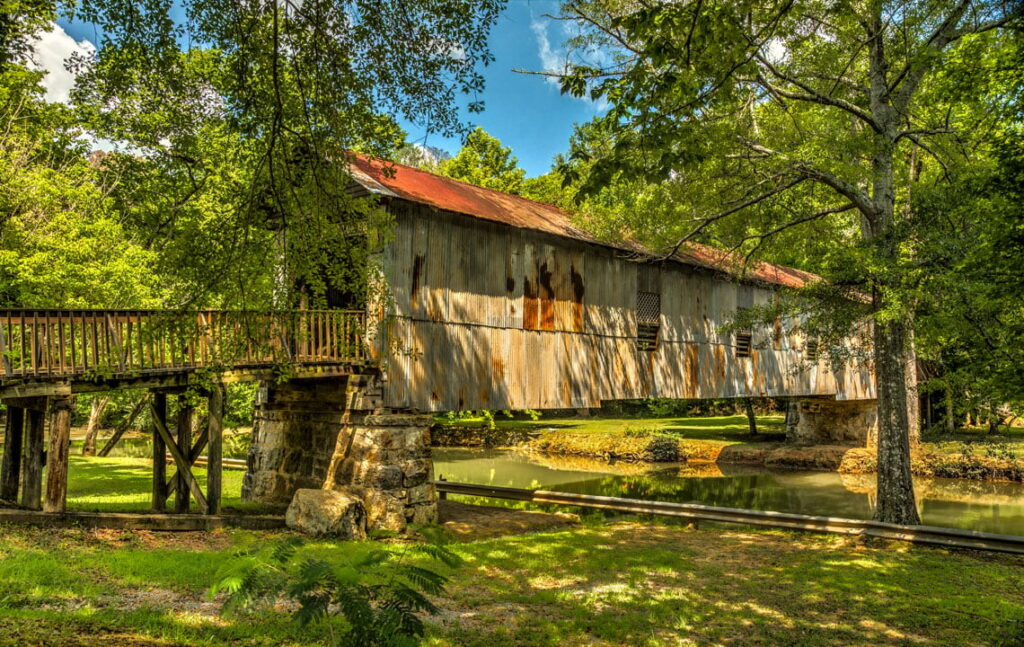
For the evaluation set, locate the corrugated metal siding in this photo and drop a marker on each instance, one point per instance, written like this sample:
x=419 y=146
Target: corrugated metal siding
x=490 y=316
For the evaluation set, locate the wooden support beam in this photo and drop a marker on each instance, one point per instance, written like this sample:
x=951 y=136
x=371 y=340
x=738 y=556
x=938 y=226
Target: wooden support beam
x=158 y=418
x=185 y=411
x=215 y=455
x=57 y=455
x=140 y=404
x=10 y=471
x=181 y=462
x=32 y=461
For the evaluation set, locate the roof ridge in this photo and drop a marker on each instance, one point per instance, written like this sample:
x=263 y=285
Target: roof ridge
x=463 y=182
x=493 y=205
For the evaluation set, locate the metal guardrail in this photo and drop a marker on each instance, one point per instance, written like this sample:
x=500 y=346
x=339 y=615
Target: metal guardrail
x=931 y=535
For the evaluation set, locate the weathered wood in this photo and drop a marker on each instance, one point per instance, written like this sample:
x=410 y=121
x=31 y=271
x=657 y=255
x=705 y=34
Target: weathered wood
x=184 y=437
x=158 y=419
x=57 y=455
x=54 y=344
x=10 y=471
x=215 y=454
x=180 y=462
x=140 y=404
x=141 y=521
x=32 y=461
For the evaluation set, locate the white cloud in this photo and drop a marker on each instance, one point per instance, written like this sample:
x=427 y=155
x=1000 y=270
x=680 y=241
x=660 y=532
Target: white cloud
x=50 y=53
x=551 y=61
x=555 y=60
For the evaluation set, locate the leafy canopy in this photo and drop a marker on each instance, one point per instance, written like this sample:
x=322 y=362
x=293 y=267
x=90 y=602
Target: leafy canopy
x=483 y=161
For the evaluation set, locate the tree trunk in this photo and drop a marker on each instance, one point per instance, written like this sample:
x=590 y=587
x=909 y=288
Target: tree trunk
x=895 y=485
x=99 y=405
x=950 y=421
x=913 y=395
x=748 y=403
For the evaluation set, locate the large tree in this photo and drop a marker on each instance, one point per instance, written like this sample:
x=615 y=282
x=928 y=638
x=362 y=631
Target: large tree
x=804 y=110
x=485 y=162
x=236 y=119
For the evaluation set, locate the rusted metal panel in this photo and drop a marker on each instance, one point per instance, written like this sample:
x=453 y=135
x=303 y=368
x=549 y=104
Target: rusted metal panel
x=514 y=274
x=438 y=278
x=419 y=288
x=397 y=367
x=497 y=318
x=398 y=181
x=398 y=260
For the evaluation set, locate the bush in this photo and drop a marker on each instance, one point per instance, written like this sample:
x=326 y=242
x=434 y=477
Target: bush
x=377 y=593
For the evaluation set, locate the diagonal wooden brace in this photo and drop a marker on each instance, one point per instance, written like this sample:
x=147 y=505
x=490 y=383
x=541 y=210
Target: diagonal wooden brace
x=183 y=465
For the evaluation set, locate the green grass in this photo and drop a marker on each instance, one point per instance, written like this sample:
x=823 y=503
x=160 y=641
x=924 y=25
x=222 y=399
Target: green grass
x=620 y=583
x=124 y=484
x=723 y=428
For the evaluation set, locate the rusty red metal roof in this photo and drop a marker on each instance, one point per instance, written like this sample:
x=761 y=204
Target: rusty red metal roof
x=409 y=183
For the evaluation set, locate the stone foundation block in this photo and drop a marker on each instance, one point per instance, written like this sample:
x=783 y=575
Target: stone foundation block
x=307 y=435
x=327 y=513
x=823 y=421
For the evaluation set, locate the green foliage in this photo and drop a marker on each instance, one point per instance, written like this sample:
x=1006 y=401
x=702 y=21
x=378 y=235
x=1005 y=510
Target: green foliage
x=483 y=161
x=379 y=592
x=61 y=242
x=235 y=121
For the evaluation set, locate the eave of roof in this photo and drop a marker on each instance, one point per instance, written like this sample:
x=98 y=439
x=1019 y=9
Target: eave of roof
x=399 y=181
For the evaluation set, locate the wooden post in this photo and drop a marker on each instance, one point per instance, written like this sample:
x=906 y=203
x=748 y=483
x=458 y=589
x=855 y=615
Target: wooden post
x=181 y=496
x=57 y=455
x=10 y=471
x=158 y=411
x=215 y=453
x=32 y=461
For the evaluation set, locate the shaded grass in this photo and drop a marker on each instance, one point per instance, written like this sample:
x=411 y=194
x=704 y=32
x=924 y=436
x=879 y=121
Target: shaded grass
x=619 y=583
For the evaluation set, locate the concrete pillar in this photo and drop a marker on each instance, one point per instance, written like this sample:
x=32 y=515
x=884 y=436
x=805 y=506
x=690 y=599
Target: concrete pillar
x=834 y=422
x=331 y=434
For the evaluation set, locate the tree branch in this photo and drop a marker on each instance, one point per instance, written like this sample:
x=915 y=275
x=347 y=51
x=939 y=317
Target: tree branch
x=812 y=95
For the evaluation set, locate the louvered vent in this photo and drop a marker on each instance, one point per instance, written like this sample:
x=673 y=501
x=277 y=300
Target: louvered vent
x=648 y=320
x=744 y=344
x=811 y=350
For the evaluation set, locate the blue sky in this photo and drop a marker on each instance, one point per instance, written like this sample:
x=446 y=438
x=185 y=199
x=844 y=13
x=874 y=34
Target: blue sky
x=526 y=112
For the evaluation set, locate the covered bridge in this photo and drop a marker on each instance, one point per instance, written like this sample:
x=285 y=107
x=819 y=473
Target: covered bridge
x=494 y=301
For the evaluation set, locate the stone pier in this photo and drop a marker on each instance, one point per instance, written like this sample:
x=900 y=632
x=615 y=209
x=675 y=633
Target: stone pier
x=332 y=434
x=833 y=422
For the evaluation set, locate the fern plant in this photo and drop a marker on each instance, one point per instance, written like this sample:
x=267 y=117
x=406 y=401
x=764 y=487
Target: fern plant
x=380 y=594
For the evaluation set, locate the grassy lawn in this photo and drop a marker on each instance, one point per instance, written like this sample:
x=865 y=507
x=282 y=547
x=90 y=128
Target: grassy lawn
x=730 y=429
x=616 y=583
x=124 y=484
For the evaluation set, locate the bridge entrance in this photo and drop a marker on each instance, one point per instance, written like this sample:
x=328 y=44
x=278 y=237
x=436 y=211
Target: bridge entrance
x=49 y=356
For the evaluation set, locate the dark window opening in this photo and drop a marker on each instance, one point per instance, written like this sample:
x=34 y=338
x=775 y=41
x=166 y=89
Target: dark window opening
x=811 y=350
x=648 y=320
x=744 y=344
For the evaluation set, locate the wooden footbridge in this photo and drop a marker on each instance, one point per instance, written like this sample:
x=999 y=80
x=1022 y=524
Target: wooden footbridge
x=47 y=356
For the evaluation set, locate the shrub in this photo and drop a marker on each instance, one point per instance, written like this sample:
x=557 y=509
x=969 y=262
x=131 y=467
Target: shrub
x=378 y=593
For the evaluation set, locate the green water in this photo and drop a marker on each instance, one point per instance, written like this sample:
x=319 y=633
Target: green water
x=955 y=503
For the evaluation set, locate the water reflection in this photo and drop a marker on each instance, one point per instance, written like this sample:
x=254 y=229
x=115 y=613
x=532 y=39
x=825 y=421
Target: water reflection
x=958 y=503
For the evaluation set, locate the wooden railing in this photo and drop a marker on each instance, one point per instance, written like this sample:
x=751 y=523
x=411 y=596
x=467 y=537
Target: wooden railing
x=107 y=343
